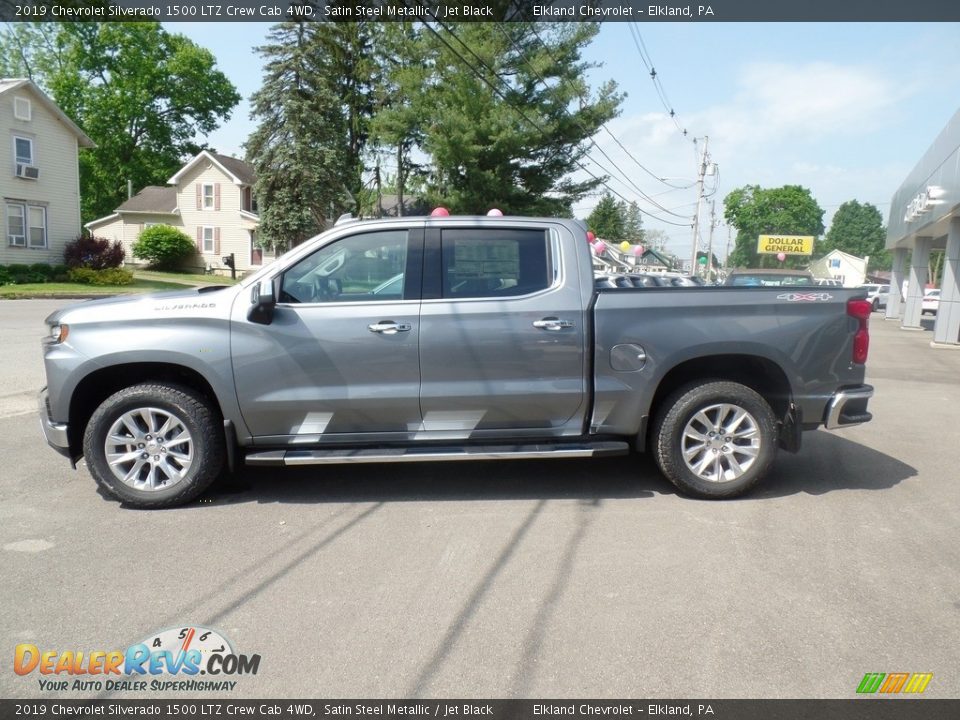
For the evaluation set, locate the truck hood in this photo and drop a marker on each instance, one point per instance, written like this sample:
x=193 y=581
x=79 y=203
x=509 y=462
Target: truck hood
x=211 y=301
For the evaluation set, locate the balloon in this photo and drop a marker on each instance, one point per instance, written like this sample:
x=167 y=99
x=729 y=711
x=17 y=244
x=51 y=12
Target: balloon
x=781 y=256
x=702 y=260
x=440 y=212
x=494 y=213
x=624 y=246
x=600 y=246
x=638 y=250
x=590 y=236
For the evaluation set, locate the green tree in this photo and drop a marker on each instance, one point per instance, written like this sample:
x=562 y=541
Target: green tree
x=858 y=229
x=755 y=211
x=607 y=220
x=297 y=149
x=142 y=95
x=633 y=223
x=515 y=147
x=397 y=125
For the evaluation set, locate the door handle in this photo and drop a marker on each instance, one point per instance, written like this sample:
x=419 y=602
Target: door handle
x=389 y=327
x=552 y=323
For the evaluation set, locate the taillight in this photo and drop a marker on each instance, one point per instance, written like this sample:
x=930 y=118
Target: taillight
x=860 y=310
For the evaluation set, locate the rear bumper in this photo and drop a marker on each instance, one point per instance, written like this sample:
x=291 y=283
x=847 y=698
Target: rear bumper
x=54 y=432
x=848 y=407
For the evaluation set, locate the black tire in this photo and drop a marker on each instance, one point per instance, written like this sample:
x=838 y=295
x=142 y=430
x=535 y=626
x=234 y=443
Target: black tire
x=876 y=305
x=192 y=417
x=678 y=414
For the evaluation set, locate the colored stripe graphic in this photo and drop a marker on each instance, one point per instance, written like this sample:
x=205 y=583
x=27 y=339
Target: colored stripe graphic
x=870 y=682
x=918 y=682
x=894 y=682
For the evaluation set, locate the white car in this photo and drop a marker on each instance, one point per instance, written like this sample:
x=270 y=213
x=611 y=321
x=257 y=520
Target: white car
x=877 y=294
x=931 y=302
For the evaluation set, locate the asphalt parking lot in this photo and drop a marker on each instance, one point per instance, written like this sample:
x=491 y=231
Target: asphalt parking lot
x=516 y=579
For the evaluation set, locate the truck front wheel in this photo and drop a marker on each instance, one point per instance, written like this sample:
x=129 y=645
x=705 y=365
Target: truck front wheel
x=154 y=445
x=715 y=439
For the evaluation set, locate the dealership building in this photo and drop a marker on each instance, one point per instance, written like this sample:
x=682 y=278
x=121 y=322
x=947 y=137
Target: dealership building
x=925 y=216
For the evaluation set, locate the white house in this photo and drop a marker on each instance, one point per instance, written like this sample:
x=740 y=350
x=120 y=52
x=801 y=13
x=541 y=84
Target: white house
x=39 y=175
x=838 y=265
x=210 y=199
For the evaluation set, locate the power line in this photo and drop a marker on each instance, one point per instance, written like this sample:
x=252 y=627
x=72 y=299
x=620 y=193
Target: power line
x=629 y=182
x=496 y=90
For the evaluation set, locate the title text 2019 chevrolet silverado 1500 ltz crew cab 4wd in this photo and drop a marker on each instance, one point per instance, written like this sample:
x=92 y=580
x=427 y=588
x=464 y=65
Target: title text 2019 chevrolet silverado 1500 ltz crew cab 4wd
x=454 y=338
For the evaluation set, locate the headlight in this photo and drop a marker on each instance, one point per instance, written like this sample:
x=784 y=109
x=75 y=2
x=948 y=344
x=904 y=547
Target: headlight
x=58 y=333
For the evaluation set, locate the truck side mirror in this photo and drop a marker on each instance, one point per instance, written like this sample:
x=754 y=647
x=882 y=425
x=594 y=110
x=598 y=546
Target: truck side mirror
x=262 y=303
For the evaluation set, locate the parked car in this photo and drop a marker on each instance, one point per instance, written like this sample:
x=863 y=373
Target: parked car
x=930 y=303
x=759 y=277
x=877 y=295
x=495 y=345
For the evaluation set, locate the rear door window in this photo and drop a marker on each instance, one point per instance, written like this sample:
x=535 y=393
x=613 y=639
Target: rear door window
x=491 y=262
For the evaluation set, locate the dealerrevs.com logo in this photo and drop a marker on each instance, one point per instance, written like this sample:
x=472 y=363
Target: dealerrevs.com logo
x=170 y=660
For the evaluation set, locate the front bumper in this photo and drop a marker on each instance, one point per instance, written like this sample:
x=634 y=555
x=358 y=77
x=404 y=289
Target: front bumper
x=848 y=407
x=54 y=432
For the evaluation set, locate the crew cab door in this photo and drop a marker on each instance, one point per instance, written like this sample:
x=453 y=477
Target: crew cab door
x=340 y=359
x=501 y=335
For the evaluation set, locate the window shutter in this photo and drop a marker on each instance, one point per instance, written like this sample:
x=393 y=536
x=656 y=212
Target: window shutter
x=199 y=239
x=199 y=196
x=216 y=241
x=216 y=196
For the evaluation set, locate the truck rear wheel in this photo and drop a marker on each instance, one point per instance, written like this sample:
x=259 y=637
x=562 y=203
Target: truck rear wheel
x=715 y=439
x=154 y=445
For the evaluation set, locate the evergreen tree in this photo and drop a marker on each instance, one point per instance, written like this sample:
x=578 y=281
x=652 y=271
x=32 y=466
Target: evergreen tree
x=607 y=220
x=297 y=149
x=516 y=146
x=633 y=223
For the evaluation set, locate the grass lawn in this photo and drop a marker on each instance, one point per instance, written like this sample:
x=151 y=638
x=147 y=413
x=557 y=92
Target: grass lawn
x=185 y=278
x=36 y=290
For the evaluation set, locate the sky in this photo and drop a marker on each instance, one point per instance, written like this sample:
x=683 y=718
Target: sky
x=844 y=109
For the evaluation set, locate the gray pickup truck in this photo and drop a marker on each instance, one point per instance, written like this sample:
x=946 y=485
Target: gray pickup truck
x=455 y=338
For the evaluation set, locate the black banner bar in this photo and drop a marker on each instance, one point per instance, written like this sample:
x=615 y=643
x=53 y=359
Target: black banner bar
x=473 y=11
x=874 y=708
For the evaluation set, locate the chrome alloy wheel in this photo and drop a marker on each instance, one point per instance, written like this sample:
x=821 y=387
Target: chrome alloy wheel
x=720 y=442
x=149 y=449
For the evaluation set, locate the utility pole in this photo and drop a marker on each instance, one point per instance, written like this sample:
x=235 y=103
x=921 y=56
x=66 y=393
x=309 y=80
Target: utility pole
x=696 y=215
x=713 y=223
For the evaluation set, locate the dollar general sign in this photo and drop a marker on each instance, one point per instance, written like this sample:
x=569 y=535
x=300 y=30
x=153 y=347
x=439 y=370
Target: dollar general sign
x=786 y=244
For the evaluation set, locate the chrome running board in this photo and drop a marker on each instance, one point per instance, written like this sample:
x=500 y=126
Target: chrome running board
x=437 y=454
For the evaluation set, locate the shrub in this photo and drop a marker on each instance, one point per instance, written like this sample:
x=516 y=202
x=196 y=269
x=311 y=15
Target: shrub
x=60 y=273
x=163 y=247
x=42 y=269
x=93 y=252
x=109 y=276
x=6 y=278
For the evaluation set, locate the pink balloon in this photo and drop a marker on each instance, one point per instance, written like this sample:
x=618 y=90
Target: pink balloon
x=600 y=246
x=494 y=213
x=440 y=212
x=590 y=236
x=638 y=250
x=781 y=256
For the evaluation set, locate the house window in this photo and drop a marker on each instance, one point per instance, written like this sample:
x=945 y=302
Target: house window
x=209 y=197
x=26 y=225
x=209 y=239
x=21 y=109
x=38 y=227
x=16 y=228
x=23 y=150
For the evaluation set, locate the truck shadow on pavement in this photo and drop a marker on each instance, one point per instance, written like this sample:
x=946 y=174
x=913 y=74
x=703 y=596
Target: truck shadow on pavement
x=827 y=462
